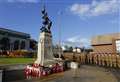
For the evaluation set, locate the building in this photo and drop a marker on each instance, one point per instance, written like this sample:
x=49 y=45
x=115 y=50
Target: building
x=77 y=49
x=13 y=40
x=108 y=43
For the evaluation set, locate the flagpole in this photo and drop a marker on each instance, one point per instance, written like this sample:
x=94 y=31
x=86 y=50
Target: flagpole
x=59 y=34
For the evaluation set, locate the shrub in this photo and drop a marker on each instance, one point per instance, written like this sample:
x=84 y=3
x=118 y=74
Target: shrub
x=20 y=53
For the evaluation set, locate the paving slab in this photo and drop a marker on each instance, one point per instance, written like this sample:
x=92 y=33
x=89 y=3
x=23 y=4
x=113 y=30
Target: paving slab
x=85 y=73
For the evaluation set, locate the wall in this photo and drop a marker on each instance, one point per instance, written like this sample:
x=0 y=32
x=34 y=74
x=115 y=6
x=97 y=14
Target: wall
x=104 y=48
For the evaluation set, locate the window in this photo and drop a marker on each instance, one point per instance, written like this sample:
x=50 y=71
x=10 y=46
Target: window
x=22 y=45
x=5 y=43
x=16 y=44
x=117 y=45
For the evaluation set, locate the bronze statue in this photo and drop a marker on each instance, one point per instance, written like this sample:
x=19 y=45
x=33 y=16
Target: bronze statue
x=47 y=23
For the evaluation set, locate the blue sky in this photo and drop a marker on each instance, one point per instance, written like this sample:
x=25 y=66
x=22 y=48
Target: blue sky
x=78 y=20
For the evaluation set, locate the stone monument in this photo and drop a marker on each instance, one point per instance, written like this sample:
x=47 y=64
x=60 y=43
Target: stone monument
x=45 y=54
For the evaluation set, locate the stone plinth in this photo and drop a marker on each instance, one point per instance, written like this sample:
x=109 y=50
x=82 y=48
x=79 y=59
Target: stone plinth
x=45 y=54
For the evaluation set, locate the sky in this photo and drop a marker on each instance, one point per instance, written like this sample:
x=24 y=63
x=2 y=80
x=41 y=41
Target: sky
x=74 y=21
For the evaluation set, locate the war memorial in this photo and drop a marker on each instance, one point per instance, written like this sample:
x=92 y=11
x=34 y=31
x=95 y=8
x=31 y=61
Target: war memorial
x=45 y=63
x=45 y=53
x=102 y=64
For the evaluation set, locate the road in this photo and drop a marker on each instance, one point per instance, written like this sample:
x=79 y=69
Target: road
x=85 y=73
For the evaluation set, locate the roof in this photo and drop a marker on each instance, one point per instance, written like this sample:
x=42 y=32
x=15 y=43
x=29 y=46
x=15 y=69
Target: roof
x=105 y=39
x=14 y=32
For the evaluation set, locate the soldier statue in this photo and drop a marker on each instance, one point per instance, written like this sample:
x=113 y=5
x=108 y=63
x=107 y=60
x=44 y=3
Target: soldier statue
x=46 y=22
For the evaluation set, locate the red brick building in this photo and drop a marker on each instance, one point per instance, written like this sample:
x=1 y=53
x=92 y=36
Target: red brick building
x=108 y=43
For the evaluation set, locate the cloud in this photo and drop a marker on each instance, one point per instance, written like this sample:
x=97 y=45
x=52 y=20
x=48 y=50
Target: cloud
x=96 y=8
x=77 y=41
x=22 y=1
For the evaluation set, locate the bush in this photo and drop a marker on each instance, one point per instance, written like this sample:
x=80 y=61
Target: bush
x=19 y=53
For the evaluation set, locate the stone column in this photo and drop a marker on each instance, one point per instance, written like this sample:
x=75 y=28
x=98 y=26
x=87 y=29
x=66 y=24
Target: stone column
x=27 y=44
x=44 y=48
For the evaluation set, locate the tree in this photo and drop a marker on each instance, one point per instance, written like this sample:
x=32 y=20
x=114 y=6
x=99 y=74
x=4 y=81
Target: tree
x=66 y=47
x=70 y=49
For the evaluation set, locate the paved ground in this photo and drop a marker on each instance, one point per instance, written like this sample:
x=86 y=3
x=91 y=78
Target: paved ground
x=84 y=74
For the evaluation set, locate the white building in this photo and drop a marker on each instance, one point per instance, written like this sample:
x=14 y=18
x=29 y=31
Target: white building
x=13 y=40
x=78 y=50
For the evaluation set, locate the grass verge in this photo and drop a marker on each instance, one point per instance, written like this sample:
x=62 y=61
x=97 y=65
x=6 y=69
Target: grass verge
x=7 y=61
